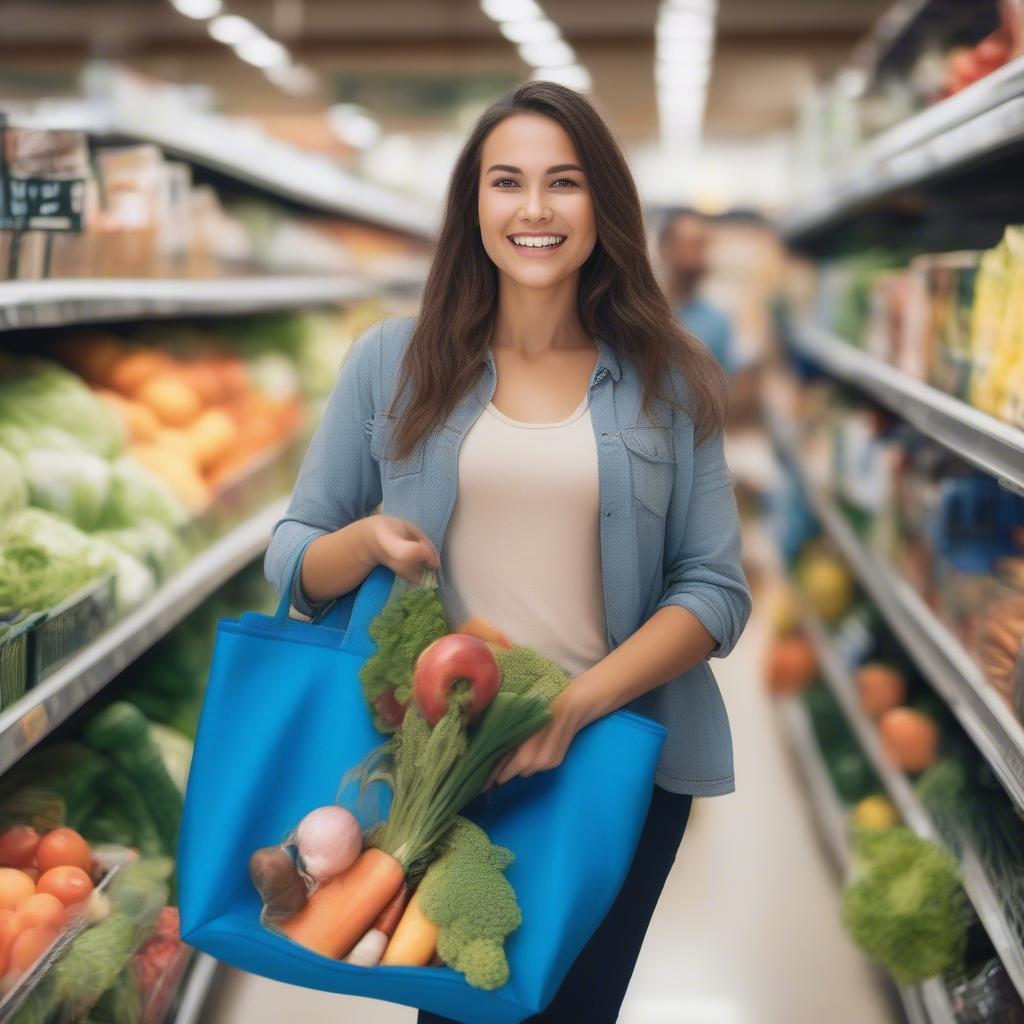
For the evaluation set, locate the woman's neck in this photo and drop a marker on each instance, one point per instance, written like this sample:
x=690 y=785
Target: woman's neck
x=536 y=320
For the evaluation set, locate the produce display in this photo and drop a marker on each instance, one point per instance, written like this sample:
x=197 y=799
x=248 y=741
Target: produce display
x=951 y=320
x=423 y=885
x=952 y=532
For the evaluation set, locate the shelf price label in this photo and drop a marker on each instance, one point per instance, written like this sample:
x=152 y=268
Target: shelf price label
x=41 y=204
x=35 y=724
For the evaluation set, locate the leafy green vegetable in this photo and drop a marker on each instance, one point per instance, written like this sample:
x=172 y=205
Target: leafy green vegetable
x=526 y=671
x=138 y=496
x=38 y=396
x=176 y=751
x=13 y=489
x=906 y=907
x=74 y=485
x=466 y=893
x=150 y=543
x=405 y=627
x=121 y=731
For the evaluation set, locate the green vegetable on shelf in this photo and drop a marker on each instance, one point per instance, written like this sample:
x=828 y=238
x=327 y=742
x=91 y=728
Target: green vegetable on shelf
x=465 y=892
x=123 y=801
x=121 y=731
x=13 y=489
x=906 y=907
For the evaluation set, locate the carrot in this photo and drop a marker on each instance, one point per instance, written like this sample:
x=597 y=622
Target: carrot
x=370 y=948
x=485 y=631
x=339 y=913
x=415 y=940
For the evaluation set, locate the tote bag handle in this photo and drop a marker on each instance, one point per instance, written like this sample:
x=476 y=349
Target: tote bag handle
x=352 y=612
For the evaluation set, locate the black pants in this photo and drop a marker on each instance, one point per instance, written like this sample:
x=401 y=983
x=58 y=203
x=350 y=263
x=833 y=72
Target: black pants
x=596 y=984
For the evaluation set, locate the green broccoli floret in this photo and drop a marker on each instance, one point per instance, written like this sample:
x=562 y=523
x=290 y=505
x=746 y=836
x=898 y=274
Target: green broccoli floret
x=466 y=894
x=405 y=627
x=906 y=907
x=525 y=671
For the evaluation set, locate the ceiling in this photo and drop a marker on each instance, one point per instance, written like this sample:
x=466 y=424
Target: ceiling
x=427 y=51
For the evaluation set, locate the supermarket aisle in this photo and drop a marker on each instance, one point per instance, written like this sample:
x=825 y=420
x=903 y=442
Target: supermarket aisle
x=747 y=931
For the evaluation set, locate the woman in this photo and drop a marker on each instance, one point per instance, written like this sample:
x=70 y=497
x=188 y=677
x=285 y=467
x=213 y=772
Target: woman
x=600 y=529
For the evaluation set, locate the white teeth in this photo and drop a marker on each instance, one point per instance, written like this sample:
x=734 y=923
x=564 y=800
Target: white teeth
x=537 y=242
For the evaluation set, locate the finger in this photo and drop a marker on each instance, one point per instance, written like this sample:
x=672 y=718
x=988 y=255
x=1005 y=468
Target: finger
x=492 y=779
x=511 y=770
x=430 y=559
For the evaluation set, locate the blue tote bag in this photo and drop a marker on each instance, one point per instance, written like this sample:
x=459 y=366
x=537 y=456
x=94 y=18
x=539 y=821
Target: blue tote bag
x=284 y=719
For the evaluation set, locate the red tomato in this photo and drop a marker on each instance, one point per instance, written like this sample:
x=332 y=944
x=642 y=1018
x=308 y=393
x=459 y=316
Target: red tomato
x=68 y=883
x=18 y=846
x=61 y=847
x=30 y=945
x=15 y=885
x=39 y=908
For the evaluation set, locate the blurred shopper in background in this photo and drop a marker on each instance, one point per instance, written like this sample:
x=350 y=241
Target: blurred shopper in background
x=684 y=244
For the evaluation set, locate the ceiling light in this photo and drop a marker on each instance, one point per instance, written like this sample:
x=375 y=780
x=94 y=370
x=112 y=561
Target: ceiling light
x=262 y=52
x=294 y=79
x=198 y=9
x=231 y=29
x=511 y=10
x=542 y=31
x=554 y=54
x=572 y=77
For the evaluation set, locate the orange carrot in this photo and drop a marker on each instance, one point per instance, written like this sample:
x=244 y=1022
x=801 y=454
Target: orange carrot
x=485 y=631
x=415 y=940
x=340 y=912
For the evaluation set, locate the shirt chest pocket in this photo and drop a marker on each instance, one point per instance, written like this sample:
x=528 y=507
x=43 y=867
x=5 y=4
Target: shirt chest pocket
x=382 y=434
x=652 y=465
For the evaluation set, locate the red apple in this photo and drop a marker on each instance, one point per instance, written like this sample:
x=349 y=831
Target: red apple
x=447 y=660
x=390 y=710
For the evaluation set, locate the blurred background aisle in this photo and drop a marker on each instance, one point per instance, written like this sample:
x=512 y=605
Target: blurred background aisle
x=202 y=204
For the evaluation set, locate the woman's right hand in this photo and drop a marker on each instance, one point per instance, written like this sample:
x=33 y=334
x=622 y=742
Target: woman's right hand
x=403 y=547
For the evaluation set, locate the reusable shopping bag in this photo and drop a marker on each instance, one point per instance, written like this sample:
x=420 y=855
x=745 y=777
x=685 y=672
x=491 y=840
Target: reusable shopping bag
x=284 y=719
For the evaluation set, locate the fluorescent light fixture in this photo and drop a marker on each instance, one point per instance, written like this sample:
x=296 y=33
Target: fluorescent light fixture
x=294 y=79
x=231 y=29
x=198 y=9
x=262 y=52
x=554 y=54
x=572 y=77
x=511 y=10
x=352 y=124
x=542 y=31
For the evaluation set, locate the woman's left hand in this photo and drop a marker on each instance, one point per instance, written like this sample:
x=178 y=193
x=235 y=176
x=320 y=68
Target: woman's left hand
x=546 y=749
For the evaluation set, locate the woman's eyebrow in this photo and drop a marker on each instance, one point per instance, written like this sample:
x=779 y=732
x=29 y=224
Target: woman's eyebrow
x=518 y=170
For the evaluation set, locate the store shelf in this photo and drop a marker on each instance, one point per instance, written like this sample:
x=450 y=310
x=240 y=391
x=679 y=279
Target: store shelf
x=927 y=1003
x=972 y=435
x=830 y=815
x=915 y=815
x=953 y=674
x=983 y=119
x=44 y=707
x=246 y=154
x=196 y=988
x=56 y=301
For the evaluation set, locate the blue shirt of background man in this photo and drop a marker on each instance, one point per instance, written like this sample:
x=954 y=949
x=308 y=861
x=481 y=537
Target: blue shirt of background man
x=712 y=327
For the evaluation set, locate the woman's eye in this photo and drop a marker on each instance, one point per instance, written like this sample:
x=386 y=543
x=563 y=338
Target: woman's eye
x=568 y=181
x=500 y=180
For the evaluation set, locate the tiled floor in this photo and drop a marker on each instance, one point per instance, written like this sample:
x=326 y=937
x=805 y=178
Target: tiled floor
x=747 y=931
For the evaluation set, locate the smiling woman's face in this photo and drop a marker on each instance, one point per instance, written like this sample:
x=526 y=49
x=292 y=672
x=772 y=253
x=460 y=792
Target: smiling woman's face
x=535 y=208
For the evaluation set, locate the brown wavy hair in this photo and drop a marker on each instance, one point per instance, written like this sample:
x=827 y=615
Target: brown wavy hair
x=618 y=296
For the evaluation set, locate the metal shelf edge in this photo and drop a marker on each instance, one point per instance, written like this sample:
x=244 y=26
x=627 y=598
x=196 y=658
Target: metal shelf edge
x=57 y=301
x=990 y=444
x=42 y=708
x=200 y=978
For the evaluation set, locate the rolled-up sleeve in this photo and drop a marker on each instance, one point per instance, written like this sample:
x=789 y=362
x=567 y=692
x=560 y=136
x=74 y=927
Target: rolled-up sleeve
x=339 y=481
x=702 y=558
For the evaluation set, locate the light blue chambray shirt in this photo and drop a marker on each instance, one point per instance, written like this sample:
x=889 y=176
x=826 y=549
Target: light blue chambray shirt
x=669 y=526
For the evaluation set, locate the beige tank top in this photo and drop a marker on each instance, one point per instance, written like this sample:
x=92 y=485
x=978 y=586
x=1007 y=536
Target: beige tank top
x=523 y=548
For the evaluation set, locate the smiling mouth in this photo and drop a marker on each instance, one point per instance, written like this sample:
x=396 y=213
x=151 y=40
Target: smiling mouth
x=536 y=243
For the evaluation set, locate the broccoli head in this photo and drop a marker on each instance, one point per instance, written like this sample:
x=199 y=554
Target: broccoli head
x=906 y=907
x=405 y=627
x=527 y=672
x=466 y=894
